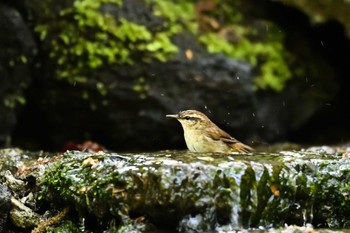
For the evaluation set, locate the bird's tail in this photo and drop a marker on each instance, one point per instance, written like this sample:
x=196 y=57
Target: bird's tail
x=242 y=148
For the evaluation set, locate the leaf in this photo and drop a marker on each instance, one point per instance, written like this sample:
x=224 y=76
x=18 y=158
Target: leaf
x=65 y=38
x=154 y=46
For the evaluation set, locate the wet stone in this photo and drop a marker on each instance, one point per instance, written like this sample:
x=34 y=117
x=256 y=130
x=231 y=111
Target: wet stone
x=5 y=204
x=191 y=192
x=22 y=216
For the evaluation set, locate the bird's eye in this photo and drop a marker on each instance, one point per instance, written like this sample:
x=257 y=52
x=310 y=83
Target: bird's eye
x=187 y=118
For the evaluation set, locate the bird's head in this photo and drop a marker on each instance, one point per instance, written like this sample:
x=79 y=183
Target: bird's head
x=191 y=118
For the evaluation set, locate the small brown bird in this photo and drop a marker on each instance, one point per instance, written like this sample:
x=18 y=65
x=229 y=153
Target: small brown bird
x=202 y=135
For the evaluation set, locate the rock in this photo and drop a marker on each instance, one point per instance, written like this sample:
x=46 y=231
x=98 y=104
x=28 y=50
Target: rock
x=310 y=97
x=17 y=51
x=217 y=85
x=181 y=85
x=143 y=94
x=129 y=113
x=165 y=88
x=18 y=194
x=321 y=12
x=5 y=204
x=14 y=184
x=194 y=192
x=22 y=216
x=11 y=159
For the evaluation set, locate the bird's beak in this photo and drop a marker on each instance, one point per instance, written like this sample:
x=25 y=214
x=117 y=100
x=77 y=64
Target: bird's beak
x=173 y=116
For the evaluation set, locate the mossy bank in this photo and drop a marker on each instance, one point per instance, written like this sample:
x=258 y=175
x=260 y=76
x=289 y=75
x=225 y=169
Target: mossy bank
x=203 y=192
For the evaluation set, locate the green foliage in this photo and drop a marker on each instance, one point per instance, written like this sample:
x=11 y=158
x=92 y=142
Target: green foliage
x=66 y=227
x=12 y=100
x=268 y=56
x=141 y=87
x=13 y=97
x=180 y=17
x=81 y=39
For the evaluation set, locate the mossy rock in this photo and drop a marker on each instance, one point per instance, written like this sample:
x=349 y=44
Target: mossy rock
x=205 y=191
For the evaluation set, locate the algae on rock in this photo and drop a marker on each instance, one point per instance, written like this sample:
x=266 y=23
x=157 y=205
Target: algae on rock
x=187 y=191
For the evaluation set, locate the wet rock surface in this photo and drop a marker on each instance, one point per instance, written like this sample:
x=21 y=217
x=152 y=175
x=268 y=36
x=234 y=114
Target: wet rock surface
x=5 y=204
x=198 y=193
x=23 y=216
x=179 y=191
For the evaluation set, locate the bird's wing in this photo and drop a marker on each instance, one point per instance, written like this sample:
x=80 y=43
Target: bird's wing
x=237 y=145
x=218 y=134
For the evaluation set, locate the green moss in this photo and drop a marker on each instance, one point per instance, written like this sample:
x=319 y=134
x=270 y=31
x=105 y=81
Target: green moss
x=66 y=227
x=267 y=56
x=82 y=39
x=182 y=15
x=173 y=187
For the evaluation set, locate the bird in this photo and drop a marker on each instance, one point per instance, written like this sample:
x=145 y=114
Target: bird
x=203 y=135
